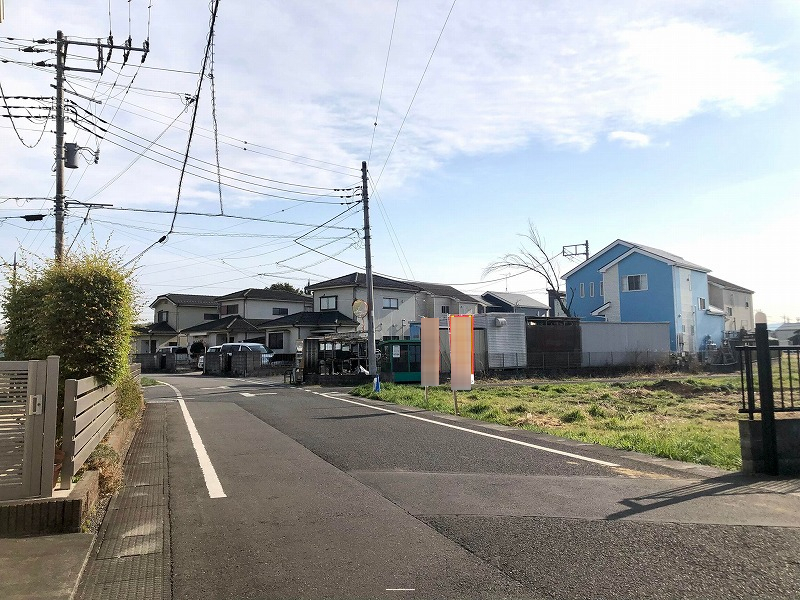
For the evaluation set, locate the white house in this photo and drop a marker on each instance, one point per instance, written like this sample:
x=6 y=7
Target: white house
x=734 y=300
x=255 y=304
x=397 y=303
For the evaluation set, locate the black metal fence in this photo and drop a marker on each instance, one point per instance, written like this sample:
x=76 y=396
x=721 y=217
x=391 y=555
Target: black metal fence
x=785 y=376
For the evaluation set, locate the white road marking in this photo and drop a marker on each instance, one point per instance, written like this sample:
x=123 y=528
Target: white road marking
x=219 y=387
x=209 y=474
x=249 y=395
x=481 y=433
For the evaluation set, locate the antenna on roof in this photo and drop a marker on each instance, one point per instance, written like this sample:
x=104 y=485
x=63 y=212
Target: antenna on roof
x=576 y=250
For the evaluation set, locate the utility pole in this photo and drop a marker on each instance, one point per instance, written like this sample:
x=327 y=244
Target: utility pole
x=61 y=68
x=60 y=56
x=372 y=359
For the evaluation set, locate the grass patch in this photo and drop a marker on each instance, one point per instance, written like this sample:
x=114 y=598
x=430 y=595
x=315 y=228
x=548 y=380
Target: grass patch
x=692 y=419
x=148 y=381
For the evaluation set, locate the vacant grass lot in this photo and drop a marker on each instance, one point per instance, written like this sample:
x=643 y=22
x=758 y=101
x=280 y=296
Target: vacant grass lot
x=692 y=420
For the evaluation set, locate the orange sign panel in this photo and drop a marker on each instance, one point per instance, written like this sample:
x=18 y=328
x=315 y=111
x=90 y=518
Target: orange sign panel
x=461 y=352
x=429 y=338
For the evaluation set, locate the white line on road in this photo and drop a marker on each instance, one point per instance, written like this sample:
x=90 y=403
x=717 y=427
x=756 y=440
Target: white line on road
x=481 y=433
x=249 y=395
x=209 y=474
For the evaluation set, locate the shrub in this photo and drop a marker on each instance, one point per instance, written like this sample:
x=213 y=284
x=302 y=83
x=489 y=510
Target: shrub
x=129 y=398
x=572 y=416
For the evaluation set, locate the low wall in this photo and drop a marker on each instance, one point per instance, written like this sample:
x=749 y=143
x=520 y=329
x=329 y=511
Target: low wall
x=751 y=441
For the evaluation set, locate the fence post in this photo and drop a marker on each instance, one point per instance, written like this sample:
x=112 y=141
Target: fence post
x=68 y=439
x=765 y=390
x=50 y=425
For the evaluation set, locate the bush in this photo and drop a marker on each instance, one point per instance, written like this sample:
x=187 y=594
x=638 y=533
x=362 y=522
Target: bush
x=129 y=398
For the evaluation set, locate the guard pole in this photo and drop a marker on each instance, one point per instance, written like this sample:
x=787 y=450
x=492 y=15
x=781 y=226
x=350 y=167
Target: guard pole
x=766 y=392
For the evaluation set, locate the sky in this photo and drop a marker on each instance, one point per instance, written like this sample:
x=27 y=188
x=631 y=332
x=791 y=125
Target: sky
x=668 y=124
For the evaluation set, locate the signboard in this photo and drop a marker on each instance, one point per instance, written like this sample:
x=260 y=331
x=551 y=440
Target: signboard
x=395 y=351
x=461 y=352
x=429 y=338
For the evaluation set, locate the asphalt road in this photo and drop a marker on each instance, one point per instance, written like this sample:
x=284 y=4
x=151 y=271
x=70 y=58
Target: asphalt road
x=329 y=496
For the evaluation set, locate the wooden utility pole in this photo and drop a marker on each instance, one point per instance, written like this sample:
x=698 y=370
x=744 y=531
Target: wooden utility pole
x=371 y=357
x=61 y=68
x=60 y=56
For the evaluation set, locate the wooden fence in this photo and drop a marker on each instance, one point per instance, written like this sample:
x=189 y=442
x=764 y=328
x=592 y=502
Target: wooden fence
x=90 y=411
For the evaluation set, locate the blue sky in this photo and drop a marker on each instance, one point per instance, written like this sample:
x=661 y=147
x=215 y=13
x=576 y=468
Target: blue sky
x=673 y=125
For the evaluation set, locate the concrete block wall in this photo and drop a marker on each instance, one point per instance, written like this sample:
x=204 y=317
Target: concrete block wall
x=751 y=441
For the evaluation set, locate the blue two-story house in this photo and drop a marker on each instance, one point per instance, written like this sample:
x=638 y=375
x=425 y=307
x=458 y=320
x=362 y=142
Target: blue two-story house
x=627 y=282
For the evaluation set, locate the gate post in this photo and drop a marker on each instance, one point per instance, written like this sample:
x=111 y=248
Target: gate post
x=765 y=389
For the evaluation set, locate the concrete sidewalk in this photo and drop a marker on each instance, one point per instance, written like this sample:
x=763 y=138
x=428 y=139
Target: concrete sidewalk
x=131 y=555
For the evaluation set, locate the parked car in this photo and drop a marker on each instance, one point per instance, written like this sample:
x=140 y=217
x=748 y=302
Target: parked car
x=181 y=354
x=266 y=353
x=213 y=350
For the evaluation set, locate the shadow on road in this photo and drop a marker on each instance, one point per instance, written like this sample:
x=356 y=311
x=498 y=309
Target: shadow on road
x=734 y=484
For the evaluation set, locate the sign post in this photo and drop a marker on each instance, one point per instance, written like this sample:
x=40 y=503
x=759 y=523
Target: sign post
x=429 y=341
x=462 y=349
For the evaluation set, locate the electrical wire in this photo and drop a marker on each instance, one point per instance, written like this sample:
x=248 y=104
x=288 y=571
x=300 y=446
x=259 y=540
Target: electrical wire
x=428 y=64
x=14 y=125
x=383 y=81
x=194 y=112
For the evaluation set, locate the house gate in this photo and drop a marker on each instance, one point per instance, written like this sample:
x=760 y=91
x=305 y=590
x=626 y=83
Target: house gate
x=28 y=398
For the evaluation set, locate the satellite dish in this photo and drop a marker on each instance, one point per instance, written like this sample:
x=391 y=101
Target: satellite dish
x=360 y=308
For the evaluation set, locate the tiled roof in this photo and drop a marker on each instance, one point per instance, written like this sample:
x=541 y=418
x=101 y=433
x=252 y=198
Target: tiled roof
x=309 y=319
x=519 y=300
x=158 y=328
x=187 y=300
x=380 y=282
x=728 y=285
x=231 y=323
x=263 y=294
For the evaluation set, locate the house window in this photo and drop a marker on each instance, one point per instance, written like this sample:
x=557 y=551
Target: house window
x=747 y=305
x=210 y=316
x=701 y=303
x=229 y=309
x=275 y=341
x=583 y=290
x=445 y=310
x=163 y=316
x=591 y=289
x=327 y=303
x=634 y=283
x=602 y=293
x=730 y=311
x=390 y=303
x=279 y=311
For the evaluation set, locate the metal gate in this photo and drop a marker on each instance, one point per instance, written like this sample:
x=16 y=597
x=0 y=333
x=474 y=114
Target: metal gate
x=28 y=397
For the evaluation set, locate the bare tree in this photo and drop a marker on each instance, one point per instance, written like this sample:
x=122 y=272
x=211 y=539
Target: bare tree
x=532 y=256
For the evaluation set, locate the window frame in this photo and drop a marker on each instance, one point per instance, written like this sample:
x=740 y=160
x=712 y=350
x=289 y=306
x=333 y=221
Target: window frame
x=327 y=300
x=445 y=309
x=388 y=301
x=591 y=289
x=279 y=311
x=701 y=303
x=272 y=346
x=582 y=288
x=641 y=278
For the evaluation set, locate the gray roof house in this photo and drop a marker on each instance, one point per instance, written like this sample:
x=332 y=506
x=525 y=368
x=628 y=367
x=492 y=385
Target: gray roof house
x=398 y=302
x=515 y=303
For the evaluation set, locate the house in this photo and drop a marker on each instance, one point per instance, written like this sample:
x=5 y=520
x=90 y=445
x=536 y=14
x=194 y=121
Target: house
x=231 y=328
x=515 y=303
x=397 y=303
x=735 y=301
x=171 y=313
x=627 y=282
x=256 y=304
x=786 y=333
x=282 y=334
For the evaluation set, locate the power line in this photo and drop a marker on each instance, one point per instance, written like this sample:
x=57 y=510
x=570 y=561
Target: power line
x=383 y=81
x=430 y=58
x=230 y=185
x=194 y=112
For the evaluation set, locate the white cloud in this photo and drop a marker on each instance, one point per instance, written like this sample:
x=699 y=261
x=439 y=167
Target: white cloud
x=631 y=139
